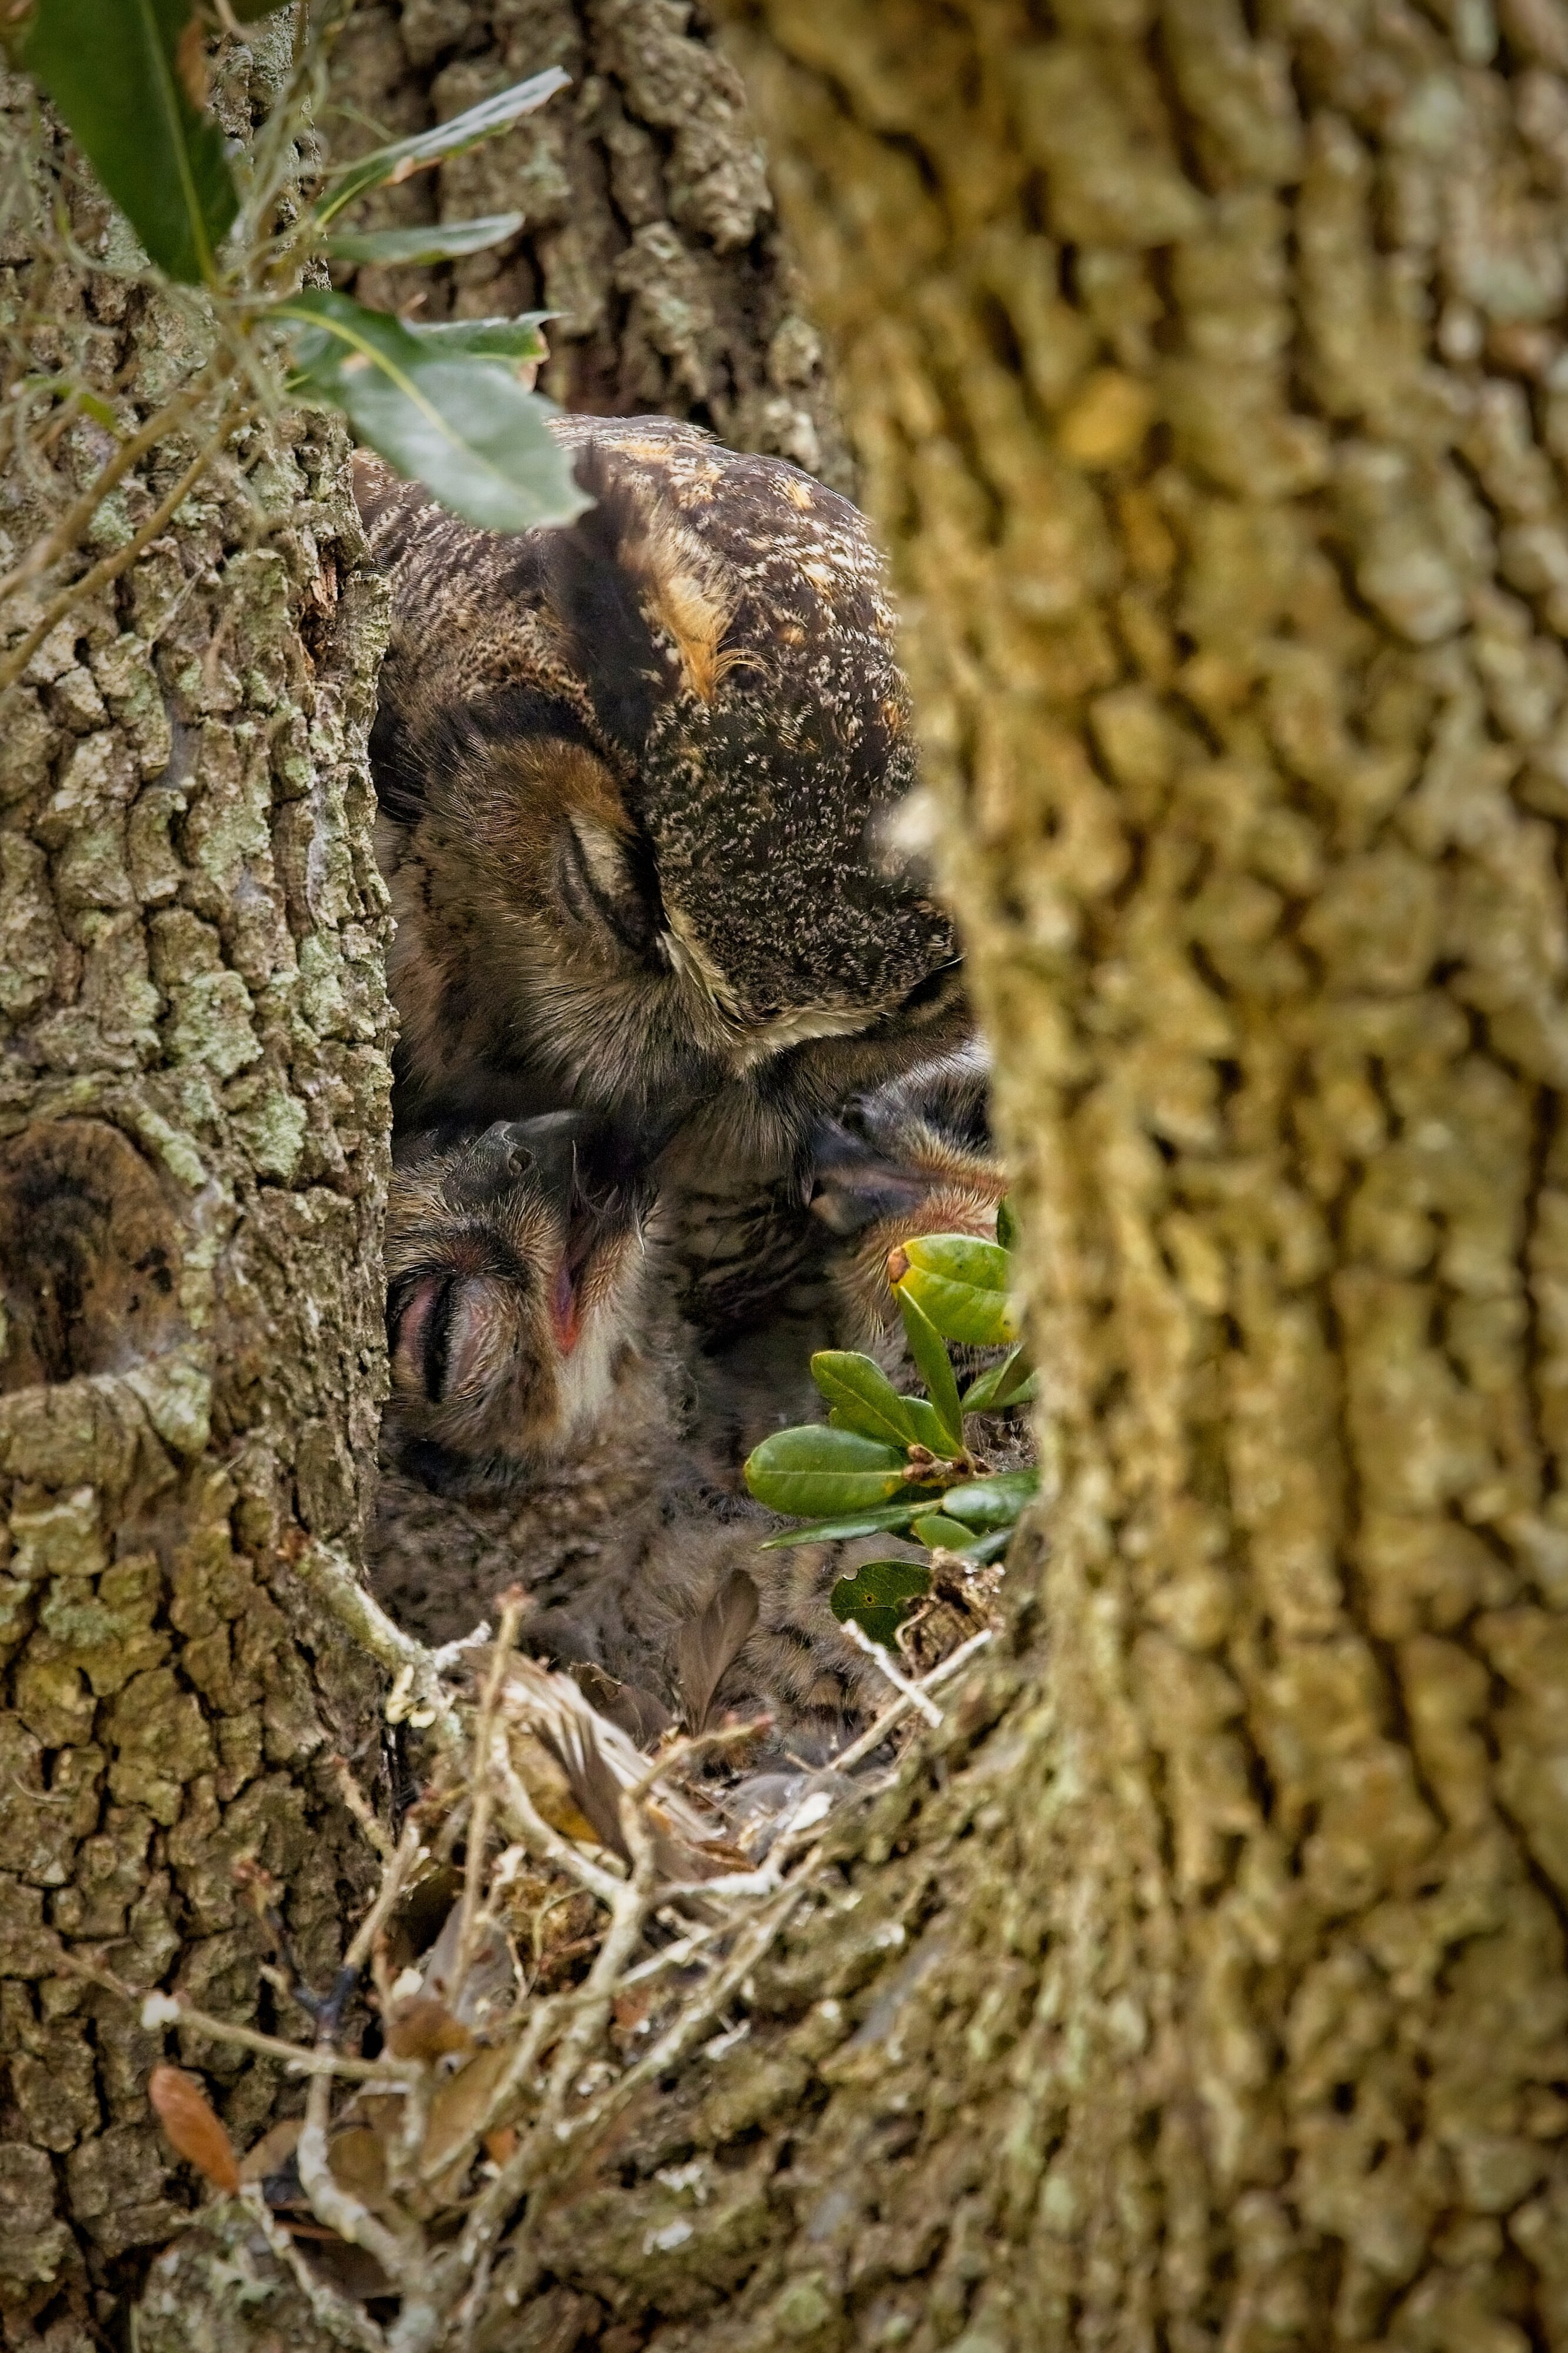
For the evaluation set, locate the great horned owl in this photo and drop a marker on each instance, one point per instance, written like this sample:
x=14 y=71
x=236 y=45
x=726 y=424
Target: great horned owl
x=914 y=1156
x=553 y=1424
x=633 y=778
x=515 y=1260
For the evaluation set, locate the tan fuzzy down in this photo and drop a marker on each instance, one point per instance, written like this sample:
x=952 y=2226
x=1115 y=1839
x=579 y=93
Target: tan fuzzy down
x=610 y=1481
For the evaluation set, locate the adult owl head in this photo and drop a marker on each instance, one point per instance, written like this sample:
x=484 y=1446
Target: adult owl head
x=634 y=776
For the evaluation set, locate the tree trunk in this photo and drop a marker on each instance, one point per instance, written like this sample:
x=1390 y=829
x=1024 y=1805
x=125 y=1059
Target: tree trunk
x=193 y=1157
x=1204 y=1984
x=649 y=232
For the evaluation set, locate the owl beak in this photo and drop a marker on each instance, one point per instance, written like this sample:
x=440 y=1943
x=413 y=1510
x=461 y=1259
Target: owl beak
x=849 y=1187
x=565 y=1318
x=597 y=1170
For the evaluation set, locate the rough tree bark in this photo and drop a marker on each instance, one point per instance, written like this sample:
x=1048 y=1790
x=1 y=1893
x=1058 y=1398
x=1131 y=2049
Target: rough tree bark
x=193 y=1152
x=649 y=231
x=1205 y=1987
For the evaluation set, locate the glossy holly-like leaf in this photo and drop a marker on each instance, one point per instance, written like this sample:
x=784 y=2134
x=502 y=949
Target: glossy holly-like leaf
x=499 y=339
x=389 y=165
x=1006 y=1223
x=818 y=1472
x=435 y=241
x=990 y=1546
x=961 y=1283
x=927 y=1430
x=111 y=69
x=880 y=1595
x=935 y=1368
x=862 y=1397
x=935 y=1528
x=465 y=426
x=994 y=1503
x=886 y=1520
x=1011 y=1382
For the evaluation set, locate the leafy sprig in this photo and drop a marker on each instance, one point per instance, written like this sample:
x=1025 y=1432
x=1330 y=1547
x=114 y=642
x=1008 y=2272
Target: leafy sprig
x=886 y=1464
x=450 y=404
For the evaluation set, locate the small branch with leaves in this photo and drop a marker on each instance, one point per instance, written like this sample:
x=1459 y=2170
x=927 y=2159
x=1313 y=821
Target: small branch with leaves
x=895 y=1465
x=449 y=404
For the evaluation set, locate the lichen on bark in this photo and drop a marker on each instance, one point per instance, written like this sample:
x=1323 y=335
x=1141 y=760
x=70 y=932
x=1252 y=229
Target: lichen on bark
x=193 y=1152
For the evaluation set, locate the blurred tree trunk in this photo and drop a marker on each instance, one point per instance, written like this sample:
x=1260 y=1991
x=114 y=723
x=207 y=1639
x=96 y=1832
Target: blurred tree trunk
x=193 y=1152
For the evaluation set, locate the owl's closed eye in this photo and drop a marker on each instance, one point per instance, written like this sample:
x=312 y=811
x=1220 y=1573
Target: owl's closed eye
x=515 y=1274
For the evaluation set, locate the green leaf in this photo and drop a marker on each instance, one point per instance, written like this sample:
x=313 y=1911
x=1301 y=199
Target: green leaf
x=935 y=1368
x=853 y=1524
x=936 y=1528
x=862 y=1397
x=465 y=426
x=962 y=1284
x=1009 y=1383
x=880 y=1595
x=109 y=65
x=438 y=241
x=399 y=162
x=929 y=1428
x=814 y=1471
x=994 y=1503
x=500 y=339
x=1006 y=1223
